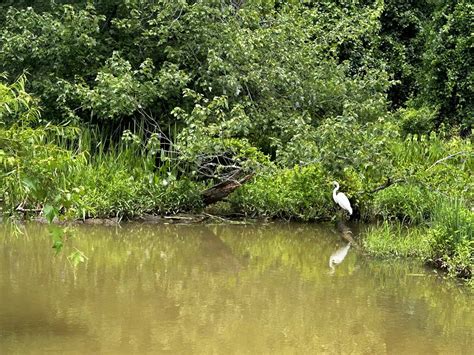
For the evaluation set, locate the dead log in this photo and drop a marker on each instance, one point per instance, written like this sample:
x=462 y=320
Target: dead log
x=222 y=190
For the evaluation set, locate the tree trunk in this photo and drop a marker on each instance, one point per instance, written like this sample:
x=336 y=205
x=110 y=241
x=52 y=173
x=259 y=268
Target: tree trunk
x=222 y=190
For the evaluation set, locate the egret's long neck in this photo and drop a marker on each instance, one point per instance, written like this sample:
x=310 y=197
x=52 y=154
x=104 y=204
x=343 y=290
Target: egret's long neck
x=335 y=190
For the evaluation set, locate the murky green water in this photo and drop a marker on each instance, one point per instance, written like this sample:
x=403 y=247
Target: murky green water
x=224 y=290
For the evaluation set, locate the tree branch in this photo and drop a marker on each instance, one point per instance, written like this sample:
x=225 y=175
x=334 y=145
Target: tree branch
x=448 y=157
x=388 y=183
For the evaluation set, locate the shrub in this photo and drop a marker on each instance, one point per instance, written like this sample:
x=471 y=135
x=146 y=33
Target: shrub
x=407 y=203
x=417 y=121
x=302 y=193
x=119 y=191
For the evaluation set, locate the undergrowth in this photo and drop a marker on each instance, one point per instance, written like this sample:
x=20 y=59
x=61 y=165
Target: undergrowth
x=445 y=240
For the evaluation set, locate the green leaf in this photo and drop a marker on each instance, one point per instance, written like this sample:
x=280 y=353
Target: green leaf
x=57 y=234
x=49 y=212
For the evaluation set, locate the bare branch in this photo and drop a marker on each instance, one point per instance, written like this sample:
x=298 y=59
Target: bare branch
x=448 y=157
x=388 y=183
x=21 y=209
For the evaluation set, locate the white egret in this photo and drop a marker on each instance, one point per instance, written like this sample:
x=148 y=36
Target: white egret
x=341 y=199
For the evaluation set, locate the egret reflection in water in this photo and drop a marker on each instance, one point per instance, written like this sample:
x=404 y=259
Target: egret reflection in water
x=338 y=256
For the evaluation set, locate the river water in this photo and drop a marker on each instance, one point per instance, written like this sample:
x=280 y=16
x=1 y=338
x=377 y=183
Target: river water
x=222 y=289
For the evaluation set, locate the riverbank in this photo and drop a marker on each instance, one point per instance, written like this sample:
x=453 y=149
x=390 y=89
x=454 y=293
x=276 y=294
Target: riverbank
x=407 y=180
x=445 y=245
x=430 y=190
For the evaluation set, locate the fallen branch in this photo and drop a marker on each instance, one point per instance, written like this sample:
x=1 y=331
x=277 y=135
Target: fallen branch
x=216 y=217
x=188 y=218
x=20 y=208
x=222 y=190
x=35 y=210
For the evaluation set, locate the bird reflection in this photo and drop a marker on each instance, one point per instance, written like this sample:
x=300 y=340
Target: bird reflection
x=338 y=256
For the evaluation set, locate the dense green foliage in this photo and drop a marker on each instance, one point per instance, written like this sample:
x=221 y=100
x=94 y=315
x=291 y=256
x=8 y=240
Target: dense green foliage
x=447 y=78
x=52 y=165
x=286 y=65
x=121 y=108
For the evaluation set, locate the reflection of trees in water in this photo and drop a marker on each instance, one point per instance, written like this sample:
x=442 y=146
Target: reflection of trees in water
x=151 y=288
x=216 y=254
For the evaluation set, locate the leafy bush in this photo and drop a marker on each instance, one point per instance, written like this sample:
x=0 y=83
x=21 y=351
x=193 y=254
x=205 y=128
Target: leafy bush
x=16 y=105
x=407 y=203
x=417 y=121
x=34 y=170
x=302 y=192
x=110 y=189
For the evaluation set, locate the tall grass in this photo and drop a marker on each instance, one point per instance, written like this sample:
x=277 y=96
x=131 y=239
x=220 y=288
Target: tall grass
x=395 y=239
x=445 y=240
x=53 y=165
x=419 y=150
x=436 y=163
x=453 y=237
x=437 y=197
